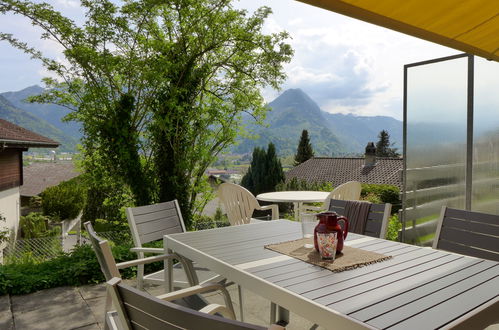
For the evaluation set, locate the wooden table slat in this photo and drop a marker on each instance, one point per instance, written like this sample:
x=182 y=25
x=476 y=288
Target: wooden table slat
x=364 y=311
x=442 y=313
x=351 y=288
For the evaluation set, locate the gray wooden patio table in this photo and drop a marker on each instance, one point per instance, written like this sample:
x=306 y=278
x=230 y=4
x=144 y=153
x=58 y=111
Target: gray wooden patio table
x=419 y=288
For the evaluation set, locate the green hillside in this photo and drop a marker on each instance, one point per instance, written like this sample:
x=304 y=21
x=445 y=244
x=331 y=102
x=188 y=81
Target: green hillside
x=35 y=124
x=292 y=112
x=51 y=113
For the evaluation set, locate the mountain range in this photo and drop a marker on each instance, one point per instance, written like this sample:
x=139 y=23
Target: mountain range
x=330 y=134
x=36 y=124
x=289 y=114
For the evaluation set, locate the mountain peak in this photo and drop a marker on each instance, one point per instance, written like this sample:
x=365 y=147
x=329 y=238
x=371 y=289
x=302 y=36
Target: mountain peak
x=23 y=94
x=298 y=99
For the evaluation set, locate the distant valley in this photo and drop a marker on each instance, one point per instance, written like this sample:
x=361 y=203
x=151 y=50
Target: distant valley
x=290 y=113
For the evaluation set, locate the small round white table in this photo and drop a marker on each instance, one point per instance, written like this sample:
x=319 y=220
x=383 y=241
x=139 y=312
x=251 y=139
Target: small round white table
x=295 y=197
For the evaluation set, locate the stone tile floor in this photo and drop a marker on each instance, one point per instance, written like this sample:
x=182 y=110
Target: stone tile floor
x=83 y=308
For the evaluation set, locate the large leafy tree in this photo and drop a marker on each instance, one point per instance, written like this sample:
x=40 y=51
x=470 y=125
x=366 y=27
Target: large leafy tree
x=383 y=147
x=159 y=86
x=304 y=151
x=265 y=171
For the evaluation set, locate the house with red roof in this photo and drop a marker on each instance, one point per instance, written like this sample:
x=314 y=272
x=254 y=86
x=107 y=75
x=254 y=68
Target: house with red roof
x=13 y=141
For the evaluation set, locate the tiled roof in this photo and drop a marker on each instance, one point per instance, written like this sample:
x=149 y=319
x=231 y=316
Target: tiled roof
x=39 y=176
x=341 y=170
x=13 y=135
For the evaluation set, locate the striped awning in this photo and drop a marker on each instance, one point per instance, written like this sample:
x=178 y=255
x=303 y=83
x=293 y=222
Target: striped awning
x=471 y=26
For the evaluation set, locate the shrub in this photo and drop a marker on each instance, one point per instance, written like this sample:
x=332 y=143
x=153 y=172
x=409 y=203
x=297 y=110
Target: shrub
x=394 y=227
x=65 y=200
x=299 y=185
x=4 y=232
x=35 y=225
x=201 y=222
x=385 y=192
x=78 y=267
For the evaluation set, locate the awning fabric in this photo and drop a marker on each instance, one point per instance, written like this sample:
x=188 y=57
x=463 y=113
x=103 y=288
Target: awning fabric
x=471 y=26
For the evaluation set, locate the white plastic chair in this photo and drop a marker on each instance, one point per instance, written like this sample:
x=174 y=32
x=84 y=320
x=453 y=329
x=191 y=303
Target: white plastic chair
x=240 y=204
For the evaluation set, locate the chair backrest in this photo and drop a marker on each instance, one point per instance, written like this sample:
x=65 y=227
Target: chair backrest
x=239 y=203
x=377 y=219
x=103 y=252
x=347 y=191
x=145 y=311
x=470 y=233
x=151 y=222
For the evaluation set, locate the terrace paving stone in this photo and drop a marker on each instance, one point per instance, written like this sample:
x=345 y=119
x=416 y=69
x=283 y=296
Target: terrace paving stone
x=97 y=307
x=6 y=320
x=93 y=291
x=57 y=308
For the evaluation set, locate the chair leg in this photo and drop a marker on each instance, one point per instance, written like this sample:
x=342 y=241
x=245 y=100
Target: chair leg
x=278 y=315
x=109 y=306
x=140 y=277
x=168 y=272
x=273 y=312
x=240 y=294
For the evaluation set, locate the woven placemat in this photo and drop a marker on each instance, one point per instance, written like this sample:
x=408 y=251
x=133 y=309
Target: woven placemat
x=349 y=258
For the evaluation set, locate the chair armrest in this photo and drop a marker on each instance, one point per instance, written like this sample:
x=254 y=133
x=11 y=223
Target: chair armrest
x=148 y=250
x=216 y=308
x=273 y=207
x=201 y=288
x=143 y=261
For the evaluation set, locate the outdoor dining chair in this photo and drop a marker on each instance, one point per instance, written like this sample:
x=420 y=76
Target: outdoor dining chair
x=150 y=223
x=377 y=218
x=470 y=233
x=347 y=191
x=188 y=297
x=138 y=310
x=239 y=203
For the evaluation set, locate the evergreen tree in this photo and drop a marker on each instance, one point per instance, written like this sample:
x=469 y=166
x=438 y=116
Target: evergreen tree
x=265 y=171
x=384 y=147
x=304 y=151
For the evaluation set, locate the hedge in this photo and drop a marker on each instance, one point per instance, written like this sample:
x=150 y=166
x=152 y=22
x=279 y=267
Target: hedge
x=78 y=267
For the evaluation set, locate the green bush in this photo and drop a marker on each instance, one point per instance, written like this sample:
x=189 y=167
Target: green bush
x=65 y=200
x=78 y=267
x=201 y=222
x=386 y=193
x=299 y=185
x=394 y=226
x=35 y=225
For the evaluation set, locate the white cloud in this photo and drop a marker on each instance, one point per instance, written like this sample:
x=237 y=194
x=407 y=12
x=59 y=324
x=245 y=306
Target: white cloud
x=346 y=65
x=68 y=3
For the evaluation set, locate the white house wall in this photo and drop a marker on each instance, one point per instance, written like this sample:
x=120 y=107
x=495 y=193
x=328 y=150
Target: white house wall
x=9 y=208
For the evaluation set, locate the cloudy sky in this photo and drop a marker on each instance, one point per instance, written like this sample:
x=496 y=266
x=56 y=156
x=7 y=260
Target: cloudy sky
x=345 y=65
